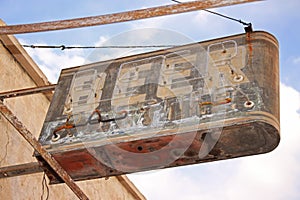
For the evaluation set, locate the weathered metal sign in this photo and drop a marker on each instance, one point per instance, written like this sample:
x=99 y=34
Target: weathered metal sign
x=196 y=103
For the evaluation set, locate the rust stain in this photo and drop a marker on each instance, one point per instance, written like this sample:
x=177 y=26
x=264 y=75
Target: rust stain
x=250 y=47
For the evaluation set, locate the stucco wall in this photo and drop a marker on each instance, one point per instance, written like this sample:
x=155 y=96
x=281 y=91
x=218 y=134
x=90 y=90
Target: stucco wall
x=31 y=110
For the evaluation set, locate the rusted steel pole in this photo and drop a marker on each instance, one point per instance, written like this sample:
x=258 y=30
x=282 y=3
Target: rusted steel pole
x=27 y=91
x=118 y=17
x=27 y=135
x=19 y=170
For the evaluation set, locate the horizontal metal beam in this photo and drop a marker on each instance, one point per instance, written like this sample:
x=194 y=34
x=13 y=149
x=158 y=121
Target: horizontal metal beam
x=27 y=135
x=27 y=91
x=19 y=170
x=118 y=17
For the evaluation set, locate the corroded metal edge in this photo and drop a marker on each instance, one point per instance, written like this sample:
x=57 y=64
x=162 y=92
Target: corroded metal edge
x=253 y=117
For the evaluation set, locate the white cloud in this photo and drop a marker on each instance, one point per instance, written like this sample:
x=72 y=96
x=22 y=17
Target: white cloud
x=268 y=176
x=136 y=36
x=109 y=53
x=102 y=40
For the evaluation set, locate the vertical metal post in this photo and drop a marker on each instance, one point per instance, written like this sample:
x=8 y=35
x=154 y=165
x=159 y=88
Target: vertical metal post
x=27 y=135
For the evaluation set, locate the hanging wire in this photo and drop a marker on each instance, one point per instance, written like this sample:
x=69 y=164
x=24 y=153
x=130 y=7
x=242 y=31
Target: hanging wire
x=248 y=27
x=44 y=184
x=63 y=47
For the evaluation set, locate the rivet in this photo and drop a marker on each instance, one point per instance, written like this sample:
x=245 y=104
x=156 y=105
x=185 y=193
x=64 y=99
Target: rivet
x=249 y=104
x=238 y=78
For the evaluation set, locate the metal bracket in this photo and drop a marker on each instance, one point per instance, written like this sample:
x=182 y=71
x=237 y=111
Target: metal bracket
x=27 y=135
x=27 y=91
x=19 y=170
x=248 y=28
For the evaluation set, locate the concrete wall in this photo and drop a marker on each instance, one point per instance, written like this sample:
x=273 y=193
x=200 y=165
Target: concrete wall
x=17 y=70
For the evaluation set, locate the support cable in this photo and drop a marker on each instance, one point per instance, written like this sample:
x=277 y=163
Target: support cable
x=44 y=185
x=117 y=17
x=248 y=27
x=63 y=47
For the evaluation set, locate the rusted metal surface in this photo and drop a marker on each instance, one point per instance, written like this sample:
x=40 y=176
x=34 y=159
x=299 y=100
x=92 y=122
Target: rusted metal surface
x=197 y=103
x=19 y=170
x=130 y=157
x=118 y=17
x=27 y=135
x=27 y=91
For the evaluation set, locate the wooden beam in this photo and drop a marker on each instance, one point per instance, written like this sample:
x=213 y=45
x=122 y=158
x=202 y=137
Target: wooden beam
x=118 y=17
x=27 y=135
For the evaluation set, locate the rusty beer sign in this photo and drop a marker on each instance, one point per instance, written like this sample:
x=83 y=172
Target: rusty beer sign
x=201 y=102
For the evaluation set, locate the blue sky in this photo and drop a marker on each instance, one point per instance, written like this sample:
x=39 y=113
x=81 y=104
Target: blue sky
x=273 y=16
x=275 y=175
